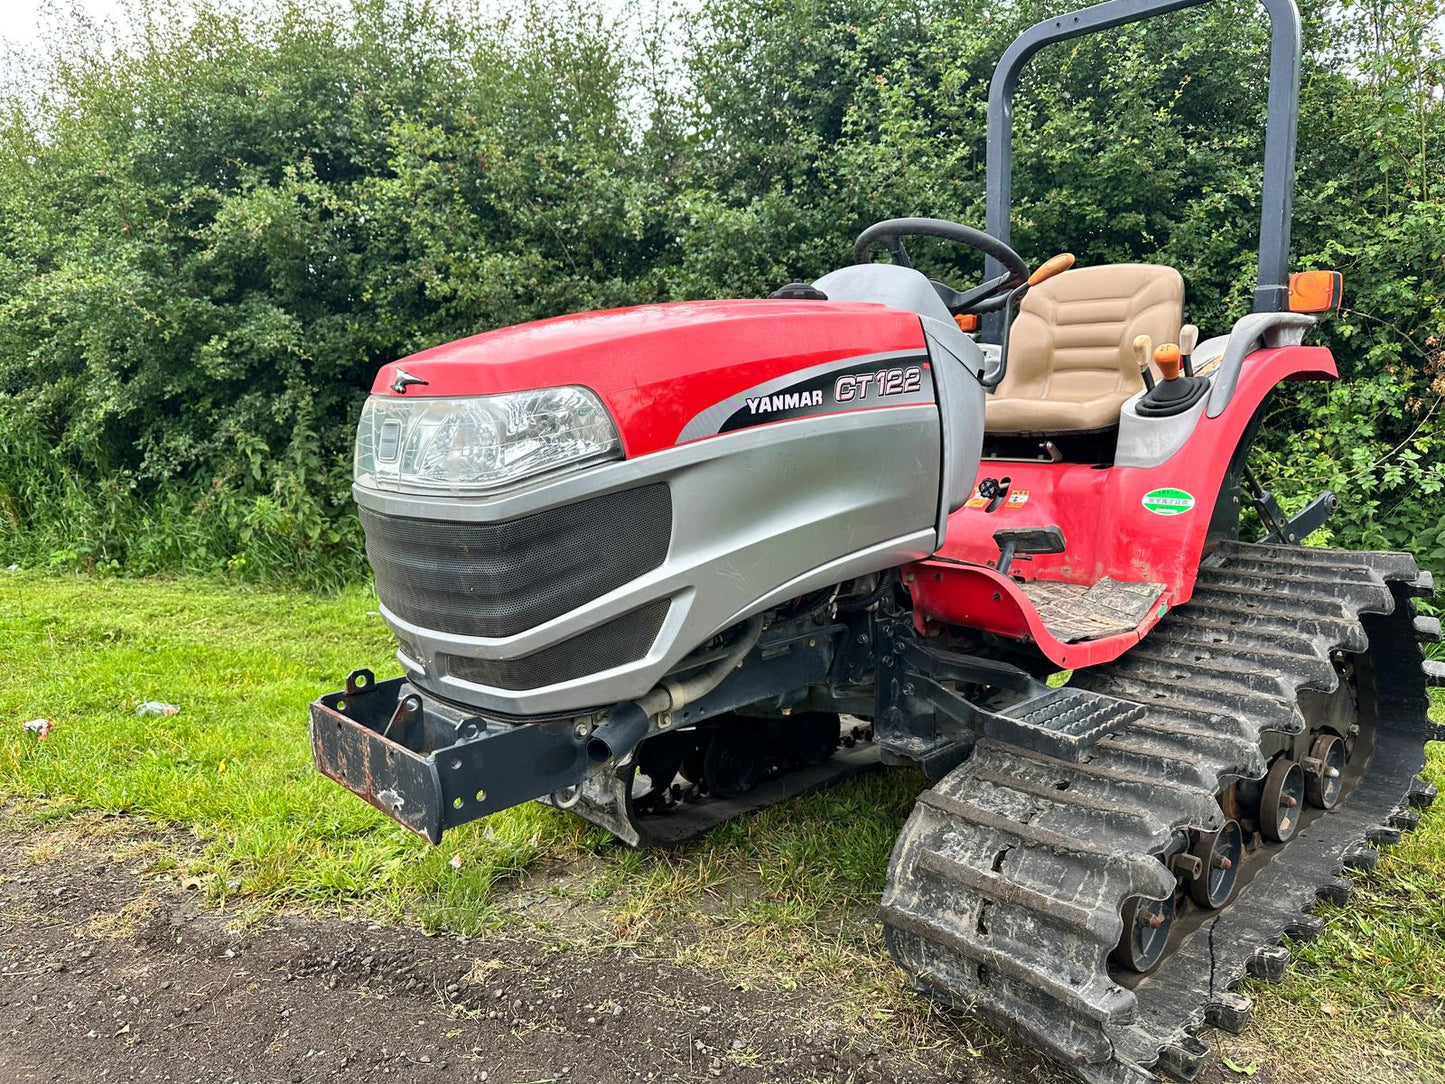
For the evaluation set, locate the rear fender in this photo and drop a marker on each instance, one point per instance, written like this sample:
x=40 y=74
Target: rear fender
x=984 y=598
x=1109 y=526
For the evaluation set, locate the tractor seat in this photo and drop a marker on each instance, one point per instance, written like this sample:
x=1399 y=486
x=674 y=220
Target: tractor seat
x=1071 y=362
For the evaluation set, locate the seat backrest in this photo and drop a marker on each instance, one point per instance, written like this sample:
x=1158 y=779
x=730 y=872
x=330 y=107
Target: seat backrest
x=1073 y=338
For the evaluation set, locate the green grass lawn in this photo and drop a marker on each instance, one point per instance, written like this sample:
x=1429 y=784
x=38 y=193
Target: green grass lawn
x=784 y=897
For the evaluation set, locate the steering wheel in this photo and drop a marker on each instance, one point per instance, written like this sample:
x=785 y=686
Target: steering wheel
x=982 y=298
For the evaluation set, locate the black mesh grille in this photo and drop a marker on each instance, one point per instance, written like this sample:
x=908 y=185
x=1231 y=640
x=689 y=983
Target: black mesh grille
x=498 y=579
x=623 y=639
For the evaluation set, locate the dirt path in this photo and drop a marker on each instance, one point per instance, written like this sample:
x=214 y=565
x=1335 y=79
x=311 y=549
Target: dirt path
x=108 y=974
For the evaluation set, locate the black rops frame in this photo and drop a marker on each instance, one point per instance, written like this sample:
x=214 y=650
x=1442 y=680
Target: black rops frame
x=1277 y=195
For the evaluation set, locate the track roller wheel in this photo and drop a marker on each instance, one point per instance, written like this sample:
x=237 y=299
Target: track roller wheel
x=1324 y=772
x=1280 y=800
x=733 y=761
x=1146 y=931
x=1220 y=855
x=814 y=737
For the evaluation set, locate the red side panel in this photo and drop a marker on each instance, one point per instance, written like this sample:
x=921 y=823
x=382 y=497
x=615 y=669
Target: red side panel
x=982 y=598
x=658 y=366
x=1109 y=528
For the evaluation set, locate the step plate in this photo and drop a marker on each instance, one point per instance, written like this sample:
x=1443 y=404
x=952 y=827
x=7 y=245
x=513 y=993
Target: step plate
x=1062 y=723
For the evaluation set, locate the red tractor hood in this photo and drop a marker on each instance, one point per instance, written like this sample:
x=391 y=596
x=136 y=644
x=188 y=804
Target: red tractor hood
x=658 y=366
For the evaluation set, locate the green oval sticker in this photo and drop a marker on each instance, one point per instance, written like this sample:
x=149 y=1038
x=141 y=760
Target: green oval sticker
x=1168 y=502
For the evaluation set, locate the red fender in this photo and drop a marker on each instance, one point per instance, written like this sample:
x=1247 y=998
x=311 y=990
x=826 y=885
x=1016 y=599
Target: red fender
x=1108 y=528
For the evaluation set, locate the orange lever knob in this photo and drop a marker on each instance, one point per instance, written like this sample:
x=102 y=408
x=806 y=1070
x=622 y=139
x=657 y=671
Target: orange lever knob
x=1051 y=267
x=1168 y=361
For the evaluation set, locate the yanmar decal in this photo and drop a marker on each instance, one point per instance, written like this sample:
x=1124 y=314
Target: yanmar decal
x=866 y=385
x=792 y=400
x=848 y=384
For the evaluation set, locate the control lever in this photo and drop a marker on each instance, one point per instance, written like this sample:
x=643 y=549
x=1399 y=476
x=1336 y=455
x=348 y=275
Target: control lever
x=1025 y=542
x=1143 y=349
x=1051 y=267
x=1188 y=340
x=1175 y=393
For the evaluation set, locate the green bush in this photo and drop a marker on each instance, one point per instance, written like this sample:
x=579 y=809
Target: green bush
x=212 y=238
x=215 y=230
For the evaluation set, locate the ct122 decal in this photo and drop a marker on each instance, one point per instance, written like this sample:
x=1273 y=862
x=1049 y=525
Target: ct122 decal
x=894 y=382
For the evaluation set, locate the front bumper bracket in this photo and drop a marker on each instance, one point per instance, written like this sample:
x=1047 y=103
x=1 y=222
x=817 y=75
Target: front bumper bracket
x=431 y=768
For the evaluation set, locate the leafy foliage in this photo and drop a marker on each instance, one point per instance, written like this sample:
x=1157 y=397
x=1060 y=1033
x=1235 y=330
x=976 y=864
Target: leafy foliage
x=213 y=230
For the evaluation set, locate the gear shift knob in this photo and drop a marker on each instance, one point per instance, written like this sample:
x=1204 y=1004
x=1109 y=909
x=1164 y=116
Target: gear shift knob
x=1168 y=360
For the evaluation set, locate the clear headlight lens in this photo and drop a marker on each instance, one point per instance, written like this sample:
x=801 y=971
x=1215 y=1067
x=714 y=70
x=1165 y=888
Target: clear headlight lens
x=480 y=443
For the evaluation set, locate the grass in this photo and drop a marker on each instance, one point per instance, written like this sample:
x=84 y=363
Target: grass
x=782 y=899
x=1366 y=1001
x=233 y=765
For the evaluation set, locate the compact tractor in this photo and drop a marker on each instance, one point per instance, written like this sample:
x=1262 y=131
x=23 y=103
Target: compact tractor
x=664 y=565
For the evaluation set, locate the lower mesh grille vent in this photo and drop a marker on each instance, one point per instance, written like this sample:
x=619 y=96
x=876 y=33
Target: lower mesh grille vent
x=622 y=640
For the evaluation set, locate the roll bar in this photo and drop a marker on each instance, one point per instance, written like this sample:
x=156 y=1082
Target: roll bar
x=1277 y=195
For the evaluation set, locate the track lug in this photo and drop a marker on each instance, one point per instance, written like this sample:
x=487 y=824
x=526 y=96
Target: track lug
x=1360 y=858
x=1337 y=891
x=1305 y=927
x=1427 y=630
x=1185 y=1059
x=1268 y=963
x=1405 y=820
x=1434 y=673
x=1383 y=835
x=1229 y=1012
x=1422 y=586
x=1422 y=794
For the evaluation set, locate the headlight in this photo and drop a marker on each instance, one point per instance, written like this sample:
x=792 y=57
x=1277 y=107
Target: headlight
x=480 y=443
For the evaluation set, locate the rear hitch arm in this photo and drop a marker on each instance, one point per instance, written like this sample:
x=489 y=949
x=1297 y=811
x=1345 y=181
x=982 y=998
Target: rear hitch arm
x=1285 y=530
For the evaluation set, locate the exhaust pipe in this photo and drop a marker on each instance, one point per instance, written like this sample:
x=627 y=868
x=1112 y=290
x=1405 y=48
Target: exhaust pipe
x=624 y=727
x=626 y=724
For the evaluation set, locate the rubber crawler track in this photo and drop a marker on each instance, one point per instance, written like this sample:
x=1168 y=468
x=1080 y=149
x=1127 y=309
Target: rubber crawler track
x=1006 y=885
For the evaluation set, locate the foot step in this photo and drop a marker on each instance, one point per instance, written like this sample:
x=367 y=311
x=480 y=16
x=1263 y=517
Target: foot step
x=1061 y=723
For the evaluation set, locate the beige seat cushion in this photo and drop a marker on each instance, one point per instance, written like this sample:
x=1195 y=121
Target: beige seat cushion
x=1071 y=361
